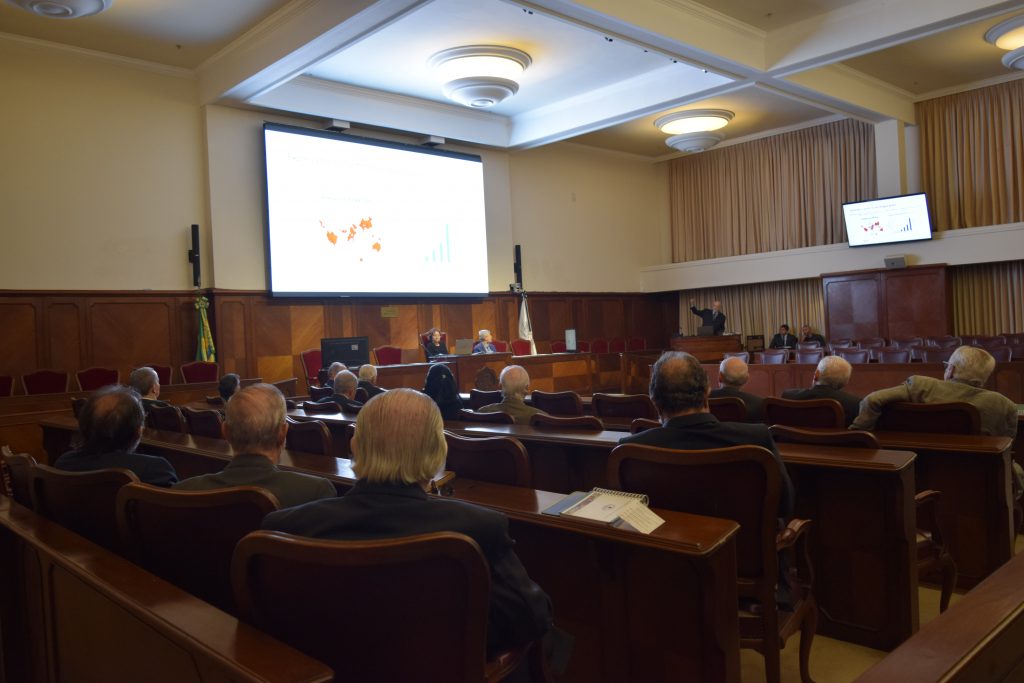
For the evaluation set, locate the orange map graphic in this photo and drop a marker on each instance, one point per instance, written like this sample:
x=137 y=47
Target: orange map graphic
x=355 y=233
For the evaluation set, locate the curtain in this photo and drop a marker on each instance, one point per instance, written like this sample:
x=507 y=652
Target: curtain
x=759 y=308
x=972 y=156
x=780 y=192
x=988 y=298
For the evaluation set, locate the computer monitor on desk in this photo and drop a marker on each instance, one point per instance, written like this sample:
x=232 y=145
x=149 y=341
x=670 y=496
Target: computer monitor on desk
x=706 y=331
x=463 y=347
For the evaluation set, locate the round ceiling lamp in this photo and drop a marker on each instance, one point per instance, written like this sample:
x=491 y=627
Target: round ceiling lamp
x=1009 y=35
x=692 y=143
x=693 y=121
x=479 y=76
x=63 y=9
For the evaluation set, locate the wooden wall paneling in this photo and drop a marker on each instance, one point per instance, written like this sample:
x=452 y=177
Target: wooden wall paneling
x=125 y=331
x=271 y=328
x=231 y=336
x=405 y=329
x=188 y=329
x=307 y=328
x=456 y=320
x=337 y=320
x=485 y=317
x=65 y=330
x=853 y=305
x=917 y=302
x=367 y=321
x=21 y=338
x=508 y=318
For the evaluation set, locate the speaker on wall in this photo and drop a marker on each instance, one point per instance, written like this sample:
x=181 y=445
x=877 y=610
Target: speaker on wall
x=518 y=265
x=193 y=256
x=897 y=261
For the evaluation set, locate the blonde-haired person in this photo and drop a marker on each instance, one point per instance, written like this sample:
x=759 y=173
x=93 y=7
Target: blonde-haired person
x=397 y=448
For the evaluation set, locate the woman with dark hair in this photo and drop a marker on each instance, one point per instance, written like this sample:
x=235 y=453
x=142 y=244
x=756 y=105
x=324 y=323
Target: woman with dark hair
x=435 y=346
x=441 y=387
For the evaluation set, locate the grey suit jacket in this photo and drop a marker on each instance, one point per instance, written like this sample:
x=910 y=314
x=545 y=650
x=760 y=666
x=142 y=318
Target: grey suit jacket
x=519 y=411
x=291 y=488
x=753 y=402
x=849 y=402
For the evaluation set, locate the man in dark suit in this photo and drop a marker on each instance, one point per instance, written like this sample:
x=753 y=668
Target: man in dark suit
x=255 y=427
x=398 y=447
x=679 y=389
x=345 y=385
x=807 y=336
x=831 y=375
x=111 y=424
x=733 y=374
x=710 y=317
x=332 y=372
x=146 y=384
x=783 y=340
x=228 y=386
x=367 y=379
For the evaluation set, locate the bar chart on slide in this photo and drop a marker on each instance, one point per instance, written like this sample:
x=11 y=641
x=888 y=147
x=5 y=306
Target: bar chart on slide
x=442 y=251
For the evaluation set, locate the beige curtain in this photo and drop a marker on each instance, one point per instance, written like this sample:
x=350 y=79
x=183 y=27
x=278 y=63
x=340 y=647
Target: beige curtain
x=972 y=156
x=760 y=308
x=988 y=298
x=780 y=192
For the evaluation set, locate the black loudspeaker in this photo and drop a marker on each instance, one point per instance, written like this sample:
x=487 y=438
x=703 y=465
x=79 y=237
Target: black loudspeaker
x=897 y=261
x=193 y=256
x=518 y=267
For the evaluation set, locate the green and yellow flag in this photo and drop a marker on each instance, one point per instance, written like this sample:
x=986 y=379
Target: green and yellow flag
x=204 y=348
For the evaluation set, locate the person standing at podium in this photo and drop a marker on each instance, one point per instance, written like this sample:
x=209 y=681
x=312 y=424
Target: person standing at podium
x=710 y=317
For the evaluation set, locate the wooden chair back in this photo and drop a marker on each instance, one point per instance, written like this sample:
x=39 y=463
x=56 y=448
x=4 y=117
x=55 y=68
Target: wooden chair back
x=489 y=418
x=809 y=355
x=478 y=398
x=17 y=475
x=935 y=418
x=287 y=387
x=309 y=436
x=289 y=587
x=203 y=422
x=317 y=393
x=362 y=395
x=91 y=379
x=587 y=422
x=498 y=459
x=163 y=372
x=558 y=346
x=200 y=371
x=6 y=385
x=566 y=403
x=642 y=424
x=772 y=356
x=326 y=408
x=817 y=413
x=188 y=537
x=45 y=382
x=84 y=502
x=387 y=355
x=854 y=356
x=728 y=408
x=843 y=438
x=629 y=405
x=167 y=418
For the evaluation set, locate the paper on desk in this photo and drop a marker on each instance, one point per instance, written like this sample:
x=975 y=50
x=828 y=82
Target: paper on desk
x=640 y=517
x=602 y=507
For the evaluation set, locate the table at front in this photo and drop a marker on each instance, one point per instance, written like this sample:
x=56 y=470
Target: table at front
x=658 y=607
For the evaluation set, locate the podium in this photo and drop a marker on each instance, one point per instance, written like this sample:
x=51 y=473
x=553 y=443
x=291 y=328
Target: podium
x=707 y=349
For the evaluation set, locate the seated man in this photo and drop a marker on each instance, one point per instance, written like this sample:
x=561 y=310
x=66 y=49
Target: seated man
x=345 y=384
x=255 y=427
x=332 y=372
x=228 y=385
x=807 y=336
x=397 y=449
x=111 y=425
x=783 y=340
x=515 y=384
x=831 y=375
x=733 y=374
x=146 y=384
x=679 y=389
x=485 y=344
x=367 y=377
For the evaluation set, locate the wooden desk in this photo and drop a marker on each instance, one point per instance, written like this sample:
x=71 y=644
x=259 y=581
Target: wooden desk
x=73 y=611
x=640 y=607
x=409 y=375
x=707 y=349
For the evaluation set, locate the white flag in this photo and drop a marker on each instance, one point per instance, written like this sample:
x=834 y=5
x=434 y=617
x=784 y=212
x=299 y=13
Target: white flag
x=525 y=328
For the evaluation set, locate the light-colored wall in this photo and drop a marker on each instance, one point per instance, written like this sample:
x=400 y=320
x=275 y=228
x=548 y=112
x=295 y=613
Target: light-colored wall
x=102 y=172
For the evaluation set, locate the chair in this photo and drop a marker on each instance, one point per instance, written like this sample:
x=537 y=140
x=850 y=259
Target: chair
x=907 y=342
x=317 y=393
x=741 y=483
x=309 y=436
x=521 y=347
x=1017 y=352
x=362 y=395
x=94 y=378
x=754 y=342
x=854 y=356
x=575 y=422
x=629 y=405
x=599 y=346
x=215 y=401
x=328 y=408
x=813 y=356
x=312 y=360
x=1002 y=354
x=872 y=343
x=17 y=475
x=166 y=418
x=425 y=338
x=288 y=587
x=890 y=355
x=745 y=355
x=808 y=346
x=486 y=379
x=500 y=346
x=188 y=537
x=200 y=371
x=497 y=459
x=843 y=438
x=565 y=403
x=45 y=382
x=642 y=424
x=772 y=356
x=479 y=398
x=728 y=409
x=558 y=346
x=6 y=385
x=819 y=413
x=942 y=342
x=203 y=422
x=841 y=343
x=989 y=342
x=387 y=355
x=582 y=346
x=77 y=403
x=163 y=372
x=636 y=344
x=489 y=418
x=83 y=502
x=617 y=345
x=937 y=354
x=934 y=418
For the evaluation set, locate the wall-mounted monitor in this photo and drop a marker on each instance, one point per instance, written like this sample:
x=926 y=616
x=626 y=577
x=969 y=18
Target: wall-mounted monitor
x=887 y=220
x=350 y=216
x=352 y=351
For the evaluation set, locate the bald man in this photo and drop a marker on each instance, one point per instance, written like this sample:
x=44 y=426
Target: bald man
x=710 y=317
x=831 y=375
x=733 y=374
x=515 y=384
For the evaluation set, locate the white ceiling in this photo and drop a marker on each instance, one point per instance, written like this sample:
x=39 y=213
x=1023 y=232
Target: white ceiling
x=602 y=70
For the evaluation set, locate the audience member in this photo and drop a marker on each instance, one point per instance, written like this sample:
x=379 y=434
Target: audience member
x=368 y=379
x=515 y=384
x=146 y=384
x=710 y=317
x=733 y=374
x=440 y=386
x=485 y=345
x=255 y=427
x=435 y=346
x=111 y=426
x=679 y=389
x=831 y=375
x=397 y=449
x=807 y=336
x=332 y=372
x=783 y=340
x=345 y=385
x=228 y=386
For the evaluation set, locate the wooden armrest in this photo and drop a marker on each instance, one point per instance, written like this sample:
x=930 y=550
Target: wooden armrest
x=504 y=663
x=926 y=497
x=787 y=538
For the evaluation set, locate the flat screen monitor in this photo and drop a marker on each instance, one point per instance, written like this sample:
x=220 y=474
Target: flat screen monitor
x=570 y=340
x=353 y=217
x=352 y=351
x=887 y=220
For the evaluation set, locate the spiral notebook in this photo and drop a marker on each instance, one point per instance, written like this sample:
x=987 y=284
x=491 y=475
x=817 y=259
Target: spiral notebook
x=610 y=507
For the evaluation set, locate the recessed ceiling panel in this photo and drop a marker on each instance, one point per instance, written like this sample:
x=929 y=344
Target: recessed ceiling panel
x=769 y=14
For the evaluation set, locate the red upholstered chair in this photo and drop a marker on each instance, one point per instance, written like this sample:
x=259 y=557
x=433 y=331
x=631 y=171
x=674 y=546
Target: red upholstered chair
x=387 y=355
x=558 y=346
x=520 y=347
x=617 y=345
x=166 y=418
x=745 y=355
x=200 y=371
x=854 y=356
x=309 y=436
x=564 y=403
x=287 y=586
x=890 y=355
x=582 y=346
x=45 y=382
x=630 y=405
x=772 y=356
x=728 y=409
x=599 y=346
x=312 y=361
x=636 y=344
x=203 y=422
x=487 y=418
x=808 y=355
x=500 y=346
x=937 y=354
x=17 y=475
x=163 y=372
x=1002 y=354
x=94 y=378
x=479 y=398
x=585 y=422
x=84 y=502
x=6 y=385
x=498 y=460
x=820 y=413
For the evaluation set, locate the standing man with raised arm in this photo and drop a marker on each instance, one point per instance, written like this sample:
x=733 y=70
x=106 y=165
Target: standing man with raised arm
x=710 y=317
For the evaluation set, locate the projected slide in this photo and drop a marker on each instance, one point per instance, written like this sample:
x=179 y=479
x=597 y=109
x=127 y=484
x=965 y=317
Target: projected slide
x=881 y=221
x=351 y=217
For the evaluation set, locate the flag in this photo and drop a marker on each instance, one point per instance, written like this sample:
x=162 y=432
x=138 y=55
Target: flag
x=525 y=328
x=204 y=348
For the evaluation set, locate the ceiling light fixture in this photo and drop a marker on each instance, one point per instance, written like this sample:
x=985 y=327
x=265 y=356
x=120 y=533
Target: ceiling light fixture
x=63 y=9
x=1009 y=35
x=693 y=121
x=694 y=142
x=480 y=76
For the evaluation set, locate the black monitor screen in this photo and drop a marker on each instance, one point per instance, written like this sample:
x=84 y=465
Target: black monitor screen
x=352 y=351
